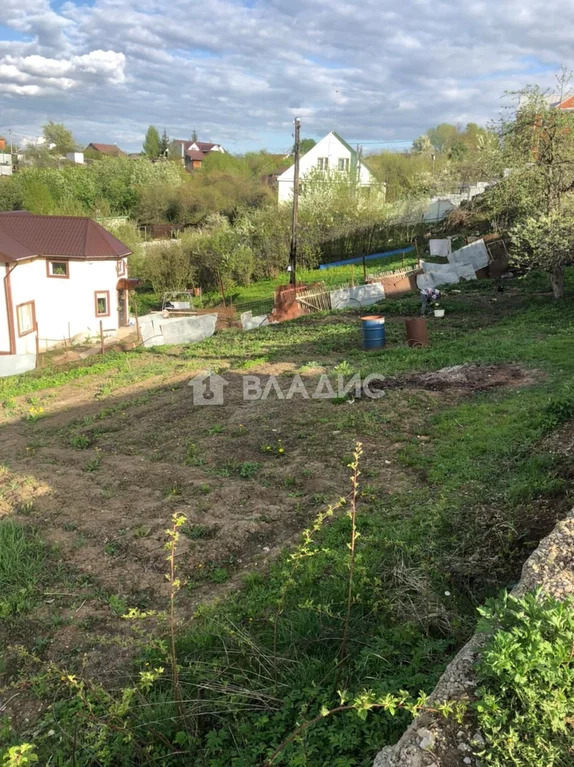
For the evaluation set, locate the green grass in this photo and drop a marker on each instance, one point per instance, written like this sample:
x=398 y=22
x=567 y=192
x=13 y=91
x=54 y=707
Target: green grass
x=482 y=489
x=23 y=559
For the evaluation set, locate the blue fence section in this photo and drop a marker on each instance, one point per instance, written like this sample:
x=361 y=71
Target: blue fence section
x=371 y=257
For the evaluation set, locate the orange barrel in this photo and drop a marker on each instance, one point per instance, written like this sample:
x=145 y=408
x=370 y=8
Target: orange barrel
x=417 y=331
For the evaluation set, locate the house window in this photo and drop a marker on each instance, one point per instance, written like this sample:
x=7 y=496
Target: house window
x=102 y=301
x=57 y=269
x=343 y=163
x=323 y=163
x=26 y=316
x=121 y=267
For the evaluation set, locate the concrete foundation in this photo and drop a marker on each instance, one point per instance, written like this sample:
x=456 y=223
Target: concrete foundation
x=158 y=331
x=15 y=364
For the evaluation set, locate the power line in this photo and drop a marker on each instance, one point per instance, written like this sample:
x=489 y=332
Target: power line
x=383 y=141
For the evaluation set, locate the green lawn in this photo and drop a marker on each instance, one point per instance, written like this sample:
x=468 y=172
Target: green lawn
x=259 y=295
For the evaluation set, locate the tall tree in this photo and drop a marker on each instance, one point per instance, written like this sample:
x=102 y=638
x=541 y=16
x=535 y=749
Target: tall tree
x=443 y=137
x=60 y=137
x=194 y=135
x=164 y=144
x=539 y=147
x=151 y=145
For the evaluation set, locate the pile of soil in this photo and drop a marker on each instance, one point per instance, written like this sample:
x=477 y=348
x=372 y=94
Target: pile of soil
x=470 y=378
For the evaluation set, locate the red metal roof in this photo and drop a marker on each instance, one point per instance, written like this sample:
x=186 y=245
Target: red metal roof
x=110 y=149
x=26 y=236
x=205 y=146
x=195 y=154
x=567 y=103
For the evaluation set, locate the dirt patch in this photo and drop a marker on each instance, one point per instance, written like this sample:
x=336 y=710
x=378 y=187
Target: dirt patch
x=100 y=477
x=469 y=378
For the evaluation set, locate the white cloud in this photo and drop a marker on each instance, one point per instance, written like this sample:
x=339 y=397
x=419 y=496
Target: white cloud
x=33 y=75
x=238 y=71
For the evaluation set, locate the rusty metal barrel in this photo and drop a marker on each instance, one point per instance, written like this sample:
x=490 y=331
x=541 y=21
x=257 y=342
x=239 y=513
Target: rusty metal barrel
x=417 y=334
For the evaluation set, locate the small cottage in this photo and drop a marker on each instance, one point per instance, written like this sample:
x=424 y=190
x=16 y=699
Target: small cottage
x=62 y=276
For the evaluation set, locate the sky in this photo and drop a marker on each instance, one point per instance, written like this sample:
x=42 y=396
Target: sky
x=380 y=72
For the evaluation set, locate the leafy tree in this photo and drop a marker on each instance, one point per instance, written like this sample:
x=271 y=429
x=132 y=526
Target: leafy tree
x=167 y=266
x=305 y=145
x=422 y=145
x=151 y=145
x=443 y=137
x=58 y=135
x=546 y=242
x=37 y=197
x=538 y=145
x=10 y=194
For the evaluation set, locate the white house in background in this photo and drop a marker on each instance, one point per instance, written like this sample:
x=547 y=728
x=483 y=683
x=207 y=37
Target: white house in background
x=331 y=155
x=5 y=164
x=193 y=153
x=62 y=276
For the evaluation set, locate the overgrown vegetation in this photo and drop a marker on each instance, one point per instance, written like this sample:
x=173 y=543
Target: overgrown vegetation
x=526 y=681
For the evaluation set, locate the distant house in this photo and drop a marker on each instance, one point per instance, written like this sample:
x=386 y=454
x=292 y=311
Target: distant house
x=62 y=276
x=108 y=150
x=192 y=153
x=566 y=105
x=5 y=159
x=331 y=156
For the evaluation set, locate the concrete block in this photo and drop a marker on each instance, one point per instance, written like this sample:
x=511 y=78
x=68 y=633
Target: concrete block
x=15 y=364
x=249 y=322
x=157 y=331
x=360 y=295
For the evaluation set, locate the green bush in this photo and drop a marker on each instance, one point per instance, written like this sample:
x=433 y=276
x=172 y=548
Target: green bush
x=526 y=675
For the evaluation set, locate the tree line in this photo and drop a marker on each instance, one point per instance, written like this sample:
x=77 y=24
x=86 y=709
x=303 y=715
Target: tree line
x=231 y=204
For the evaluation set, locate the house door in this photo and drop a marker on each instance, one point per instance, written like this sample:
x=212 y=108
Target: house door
x=122 y=308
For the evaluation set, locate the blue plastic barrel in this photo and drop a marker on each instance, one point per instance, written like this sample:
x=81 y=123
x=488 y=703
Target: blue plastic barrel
x=373 y=332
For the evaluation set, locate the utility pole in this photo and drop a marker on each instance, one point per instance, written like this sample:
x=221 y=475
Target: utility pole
x=10 y=135
x=293 y=250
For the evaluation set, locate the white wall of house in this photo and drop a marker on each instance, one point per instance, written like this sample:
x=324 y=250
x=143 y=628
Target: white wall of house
x=65 y=307
x=4 y=329
x=330 y=155
x=5 y=164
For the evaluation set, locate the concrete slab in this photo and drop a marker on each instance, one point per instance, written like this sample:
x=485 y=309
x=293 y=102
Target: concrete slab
x=249 y=322
x=15 y=364
x=158 y=331
x=360 y=295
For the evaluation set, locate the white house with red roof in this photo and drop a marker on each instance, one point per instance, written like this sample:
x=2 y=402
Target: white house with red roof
x=62 y=276
x=331 y=157
x=193 y=153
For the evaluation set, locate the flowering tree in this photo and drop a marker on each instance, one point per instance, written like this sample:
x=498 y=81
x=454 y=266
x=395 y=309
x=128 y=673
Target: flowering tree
x=547 y=243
